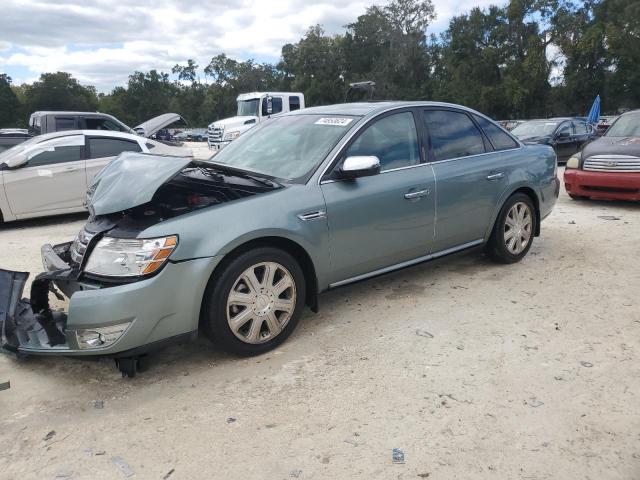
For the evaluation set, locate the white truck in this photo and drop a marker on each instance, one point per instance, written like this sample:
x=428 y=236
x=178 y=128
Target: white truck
x=253 y=108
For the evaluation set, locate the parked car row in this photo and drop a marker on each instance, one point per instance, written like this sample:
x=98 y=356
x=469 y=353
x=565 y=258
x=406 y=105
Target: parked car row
x=327 y=196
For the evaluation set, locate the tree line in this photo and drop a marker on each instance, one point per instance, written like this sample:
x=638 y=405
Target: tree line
x=528 y=58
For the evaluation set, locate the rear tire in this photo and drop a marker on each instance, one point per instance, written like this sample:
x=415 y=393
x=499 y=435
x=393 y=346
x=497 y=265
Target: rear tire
x=255 y=302
x=513 y=231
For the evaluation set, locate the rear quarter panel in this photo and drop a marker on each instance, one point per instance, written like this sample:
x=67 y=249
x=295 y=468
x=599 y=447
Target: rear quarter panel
x=534 y=167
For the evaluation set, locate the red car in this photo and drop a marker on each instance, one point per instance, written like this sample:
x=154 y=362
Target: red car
x=609 y=167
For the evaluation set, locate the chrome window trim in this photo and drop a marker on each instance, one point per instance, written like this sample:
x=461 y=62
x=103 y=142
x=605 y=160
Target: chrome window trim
x=520 y=147
x=407 y=263
x=348 y=138
x=330 y=180
x=412 y=105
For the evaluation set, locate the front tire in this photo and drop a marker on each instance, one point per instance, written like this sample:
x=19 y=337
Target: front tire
x=513 y=231
x=255 y=302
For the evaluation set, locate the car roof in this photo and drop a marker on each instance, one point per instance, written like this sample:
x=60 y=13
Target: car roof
x=64 y=112
x=361 y=109
x=101 y=133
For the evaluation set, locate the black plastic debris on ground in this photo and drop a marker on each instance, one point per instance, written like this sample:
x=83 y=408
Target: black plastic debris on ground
x=5 y=385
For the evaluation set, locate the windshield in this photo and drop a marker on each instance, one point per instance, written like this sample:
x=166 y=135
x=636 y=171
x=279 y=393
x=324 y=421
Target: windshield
x=626 y=126
x=286 y=147
x=248 y=108
x=538 y=128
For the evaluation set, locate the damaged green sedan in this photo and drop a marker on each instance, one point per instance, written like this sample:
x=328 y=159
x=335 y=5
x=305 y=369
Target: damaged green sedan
x=237 y=246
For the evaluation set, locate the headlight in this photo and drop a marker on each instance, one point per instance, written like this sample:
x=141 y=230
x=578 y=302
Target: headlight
x=232 y=135
x=573 y=162
x=124 y=257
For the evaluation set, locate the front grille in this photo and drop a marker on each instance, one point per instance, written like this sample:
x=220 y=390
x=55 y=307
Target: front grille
x=215 y=134
x=79 y=246
x=612 y=163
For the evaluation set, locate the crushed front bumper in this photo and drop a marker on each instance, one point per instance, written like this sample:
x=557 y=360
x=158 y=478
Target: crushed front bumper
x=155 y=311
x=603 y=185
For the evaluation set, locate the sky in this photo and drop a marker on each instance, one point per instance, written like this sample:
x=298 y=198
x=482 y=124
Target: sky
x=101 y=42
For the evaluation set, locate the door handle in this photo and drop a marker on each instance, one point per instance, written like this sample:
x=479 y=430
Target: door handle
x=70 y=169
x=495 y=176
x=418 y=194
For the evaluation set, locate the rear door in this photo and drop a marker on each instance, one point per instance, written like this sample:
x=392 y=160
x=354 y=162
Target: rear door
x=470 y=176
x=52 y=181
x=101 y=150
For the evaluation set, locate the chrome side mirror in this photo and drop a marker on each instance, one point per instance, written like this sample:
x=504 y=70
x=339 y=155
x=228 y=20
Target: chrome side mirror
x=360 y=166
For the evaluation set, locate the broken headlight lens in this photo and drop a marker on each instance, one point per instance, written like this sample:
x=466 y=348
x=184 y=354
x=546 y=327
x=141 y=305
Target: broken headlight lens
x=130 y=257
x=100 y=337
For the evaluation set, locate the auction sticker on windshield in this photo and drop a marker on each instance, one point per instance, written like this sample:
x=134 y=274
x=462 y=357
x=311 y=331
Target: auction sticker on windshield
x=338 y=122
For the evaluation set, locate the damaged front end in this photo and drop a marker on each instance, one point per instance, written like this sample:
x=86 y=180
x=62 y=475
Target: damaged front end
x=110 y=311
x=31 y=324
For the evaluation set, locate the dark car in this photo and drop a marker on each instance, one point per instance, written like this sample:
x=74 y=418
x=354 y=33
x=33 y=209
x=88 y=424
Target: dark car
x=609 y=167
x=565 y=135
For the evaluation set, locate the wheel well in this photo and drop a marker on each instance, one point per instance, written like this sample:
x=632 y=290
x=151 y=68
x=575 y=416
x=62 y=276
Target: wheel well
x=289 y=246
x=536 y=204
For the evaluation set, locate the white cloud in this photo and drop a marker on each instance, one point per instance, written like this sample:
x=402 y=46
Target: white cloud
x=101 y=41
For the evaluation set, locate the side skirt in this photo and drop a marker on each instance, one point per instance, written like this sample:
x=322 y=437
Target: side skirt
x=408 y=263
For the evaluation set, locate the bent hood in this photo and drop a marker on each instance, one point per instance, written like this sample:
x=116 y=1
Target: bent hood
x=613 y=146
x=150 y=127
x=131 y=180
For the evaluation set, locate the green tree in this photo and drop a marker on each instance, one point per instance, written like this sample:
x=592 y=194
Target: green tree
x=315 y=66
x=10 y=107
x=60 y=91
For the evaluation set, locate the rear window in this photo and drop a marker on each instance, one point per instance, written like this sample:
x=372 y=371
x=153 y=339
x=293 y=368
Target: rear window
x=498 y=138
x=103 y=124
x=294 y=103
x=65 y=123
x=453 y=134
x=110 y=147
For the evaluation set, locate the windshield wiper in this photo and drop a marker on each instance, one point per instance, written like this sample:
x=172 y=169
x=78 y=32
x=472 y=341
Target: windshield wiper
x=261 y=179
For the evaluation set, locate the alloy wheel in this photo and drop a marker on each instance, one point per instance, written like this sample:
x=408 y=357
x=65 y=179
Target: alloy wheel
x=518 y=228
x=261 y=302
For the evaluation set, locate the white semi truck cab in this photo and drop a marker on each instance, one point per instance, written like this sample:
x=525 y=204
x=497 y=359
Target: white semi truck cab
x=253 y=108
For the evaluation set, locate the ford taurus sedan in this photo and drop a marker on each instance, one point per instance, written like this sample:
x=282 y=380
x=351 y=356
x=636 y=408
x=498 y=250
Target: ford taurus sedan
x=237 y=246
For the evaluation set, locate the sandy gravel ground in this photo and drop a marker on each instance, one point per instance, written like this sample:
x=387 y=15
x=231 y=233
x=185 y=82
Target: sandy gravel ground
x=473 y=370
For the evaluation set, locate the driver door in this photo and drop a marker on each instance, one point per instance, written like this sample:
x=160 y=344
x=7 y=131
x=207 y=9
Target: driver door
x=382 y=220
x=52 y=181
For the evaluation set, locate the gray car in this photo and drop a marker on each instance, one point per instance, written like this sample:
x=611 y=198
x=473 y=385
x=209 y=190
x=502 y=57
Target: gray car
x=237 y=246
